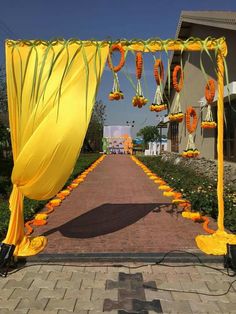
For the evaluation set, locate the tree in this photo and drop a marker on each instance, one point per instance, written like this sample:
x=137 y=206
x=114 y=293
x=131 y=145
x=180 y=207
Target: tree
x=149 y=133
x=93 y=139
x=3 y=91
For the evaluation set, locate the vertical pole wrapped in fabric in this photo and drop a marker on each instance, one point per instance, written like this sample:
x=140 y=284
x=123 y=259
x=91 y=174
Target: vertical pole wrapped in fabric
x=216 y=244
x=51 y=89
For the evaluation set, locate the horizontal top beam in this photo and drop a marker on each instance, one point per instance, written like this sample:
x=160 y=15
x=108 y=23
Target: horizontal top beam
x=150 y=45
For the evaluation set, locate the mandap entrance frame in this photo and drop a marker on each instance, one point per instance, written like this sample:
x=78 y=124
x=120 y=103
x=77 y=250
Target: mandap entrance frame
x=210 y=244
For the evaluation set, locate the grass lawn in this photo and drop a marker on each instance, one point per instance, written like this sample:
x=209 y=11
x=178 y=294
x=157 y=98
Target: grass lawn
x=32 y=206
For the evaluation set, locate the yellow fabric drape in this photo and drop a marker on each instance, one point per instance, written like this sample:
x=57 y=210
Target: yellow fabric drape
x=51 y=91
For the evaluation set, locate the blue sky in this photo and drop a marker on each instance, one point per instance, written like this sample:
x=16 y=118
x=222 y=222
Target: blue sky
x=102 y=19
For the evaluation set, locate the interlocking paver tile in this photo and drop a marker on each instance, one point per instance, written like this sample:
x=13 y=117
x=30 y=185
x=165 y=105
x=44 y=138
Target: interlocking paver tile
x=90 y=276
x=77 y=312
x=161 y=295
x=39 y=283
x=12 y=283
x=24 y=311
x=185 y=296
x=69 y=284
x=68 y=267
x=21 y=293
x=51 y=268
x=218 y=286
x=80 y=294
x=32 y=304
x=8 y=304
x=66 y=304
x=94 y=306
x=36 y=275
x=5 y=293
x=42 y=312
x=55 y=275
x=102 y=294
x=57 y=293
x=176 y=307
x=227 y=307
x=209 y=307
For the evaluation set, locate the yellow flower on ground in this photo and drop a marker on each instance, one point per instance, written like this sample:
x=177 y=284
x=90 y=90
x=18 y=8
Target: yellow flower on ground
x=190 y=215
x=55 y=202
x=168 y=193
x=41 y=217
x=164 y=188
x=179 y=201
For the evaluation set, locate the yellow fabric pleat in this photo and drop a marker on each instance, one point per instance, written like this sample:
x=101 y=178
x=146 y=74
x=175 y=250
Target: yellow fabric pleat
x=51 y=91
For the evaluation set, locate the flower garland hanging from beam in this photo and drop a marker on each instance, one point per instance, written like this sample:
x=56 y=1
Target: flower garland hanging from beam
x=191 y=150
x=208 y=122
x=116 y=93
x=158 y=103
x=139 y=100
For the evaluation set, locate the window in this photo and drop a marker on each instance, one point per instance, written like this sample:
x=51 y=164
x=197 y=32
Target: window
x=230 y=131
x=174 y=136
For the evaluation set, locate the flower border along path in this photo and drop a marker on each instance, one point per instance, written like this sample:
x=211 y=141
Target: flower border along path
x=41 y=218
x=178 y=200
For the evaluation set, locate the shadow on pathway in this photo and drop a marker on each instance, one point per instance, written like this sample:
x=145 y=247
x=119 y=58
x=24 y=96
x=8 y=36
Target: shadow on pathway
x=105 y=219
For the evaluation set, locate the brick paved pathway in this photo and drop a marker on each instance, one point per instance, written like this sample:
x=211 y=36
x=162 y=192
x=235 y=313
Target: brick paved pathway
x=117 y=209
x=53 y=289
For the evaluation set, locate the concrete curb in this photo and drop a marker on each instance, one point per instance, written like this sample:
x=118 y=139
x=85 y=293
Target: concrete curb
x=165 y=257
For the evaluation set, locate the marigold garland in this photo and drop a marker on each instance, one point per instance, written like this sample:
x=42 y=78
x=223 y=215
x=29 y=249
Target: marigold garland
x=116 y=47
x=41 y=218
x=177 y=115
x=157 y=108
x=208 y=122
x=116 y=93
x=191 y=150
x=208 y=125
x=158 y=102
x=191 y=113
x=139 y=100
x=210 y=91
x=178 y=85
x=197 y=217
x=158 y=71
x=139 y=65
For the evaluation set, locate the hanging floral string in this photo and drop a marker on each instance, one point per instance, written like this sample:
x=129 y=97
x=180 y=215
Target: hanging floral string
x=191 y=150
x=139 y=100
x=158 y=103
x=208 y=122
x=176 y=114
x=116 y=93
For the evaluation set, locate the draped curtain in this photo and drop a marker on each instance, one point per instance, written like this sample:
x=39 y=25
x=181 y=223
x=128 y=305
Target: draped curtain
x=51 y=89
